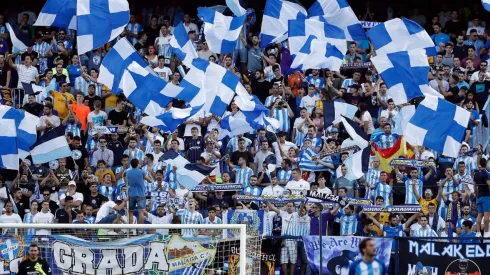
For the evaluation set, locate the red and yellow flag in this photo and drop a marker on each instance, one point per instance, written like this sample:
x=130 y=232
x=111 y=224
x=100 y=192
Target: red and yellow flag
x=399 y=150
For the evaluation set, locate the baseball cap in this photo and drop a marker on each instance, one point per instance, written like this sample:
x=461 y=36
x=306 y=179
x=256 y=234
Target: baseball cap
x=72 y=183
x=334 y=130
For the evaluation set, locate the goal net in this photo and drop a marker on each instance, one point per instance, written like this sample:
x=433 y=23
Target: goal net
x=154 y=249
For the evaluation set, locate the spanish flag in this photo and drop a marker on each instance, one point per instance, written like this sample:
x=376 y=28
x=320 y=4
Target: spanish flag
x=399 y=150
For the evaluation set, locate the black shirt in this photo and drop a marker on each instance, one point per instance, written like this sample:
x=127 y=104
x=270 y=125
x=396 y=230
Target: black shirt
x=481 y=91
x=60 y=78
x=152 y=35
x=117 y=118
x=78 y=154
x=455 y=27
x=22 y=206
x=117 y=149
x=62 y=216
x=261 y=89
x=91 y=101
x=454 y=98
x=95 y=202
x=27 y=267
x=460 y=51
x=480 y=178
x=3 y=74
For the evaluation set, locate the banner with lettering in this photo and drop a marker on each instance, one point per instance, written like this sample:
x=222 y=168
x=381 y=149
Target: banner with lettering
x=434 y=258
x=339 y=252
x=150 y=254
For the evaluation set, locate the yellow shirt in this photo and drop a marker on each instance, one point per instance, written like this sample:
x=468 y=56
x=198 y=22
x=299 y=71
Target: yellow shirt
x=382 y=219
x=424 y=204
x=59 y=103
x=111 y=99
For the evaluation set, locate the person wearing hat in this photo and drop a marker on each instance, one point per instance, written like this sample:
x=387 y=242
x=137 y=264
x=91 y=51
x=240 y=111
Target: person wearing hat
x=72 y=191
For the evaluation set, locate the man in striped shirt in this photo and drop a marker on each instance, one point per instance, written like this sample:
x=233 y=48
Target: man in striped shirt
x=243 y=173
x=27 y=72
x=348 y=221
x=368 y=265
x=285 y=174
x=371 y=178
x=467 y=160
x=133 y=152
x=424 y=230
x=387 y=139
x=414 y=179
x=252 y=189
x=282 y=112
x=383 y=189
x=190 y=216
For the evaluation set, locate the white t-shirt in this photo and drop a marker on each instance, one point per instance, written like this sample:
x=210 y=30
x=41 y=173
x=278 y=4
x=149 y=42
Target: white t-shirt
x=76 y=197
x=366 y=117
x=298 y=187
x=55 y=120
x=13 y=218
x=273 y=190
x=105 y=210
x=181 y=144
x=325 y=190
x=96 y=119
x=308 y=102
x=167 y=219
x=164 y=73
x=179 y=193
x=284 y=147
x=43 y=218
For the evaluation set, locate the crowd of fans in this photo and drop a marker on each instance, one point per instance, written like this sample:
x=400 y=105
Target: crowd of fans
x=92 y=186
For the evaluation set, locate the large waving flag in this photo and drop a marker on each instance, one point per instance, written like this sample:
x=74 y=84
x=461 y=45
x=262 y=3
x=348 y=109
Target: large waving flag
x=20 y=40
x=277 y=13
x=333 y=111
x=52 y=145
x=58 y=13
x=316 y=45
x=116 y=61
x=146 y=91
x=439 y=125
x=25 y=124
x=221 y=32
x=210 y=86
x=231 y=126
x=99 y=22
x=402 y=118
x=181 y=46
x=187 y=175
x=398 y=35
x=9 y=157
x=170 y=120
x=238 y=7
x=340 y=14
x=405 y=74
x=486 y=4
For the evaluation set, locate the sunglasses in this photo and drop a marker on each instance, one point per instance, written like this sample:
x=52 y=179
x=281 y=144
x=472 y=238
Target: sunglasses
x=46 y=194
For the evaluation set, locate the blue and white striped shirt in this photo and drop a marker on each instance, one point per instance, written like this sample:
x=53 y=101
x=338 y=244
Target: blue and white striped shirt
x=156 y=167
x=41 y=49
x=469 y=163
x=137 y=153
x=304 y=225
x=348 y=224
x=284 y=175
x=269 y=101
x=242 y=175
x=254 y=191
x=289 y=223
x=284 y=120
x=82 y=85
x=134 y=28
x=372 y=177
x=121 y=180
x=188 y=217
x=427 y=232
x=375 y=267
x=384 y=190
x=233 y=144
x=29 y=218
x=409 y=195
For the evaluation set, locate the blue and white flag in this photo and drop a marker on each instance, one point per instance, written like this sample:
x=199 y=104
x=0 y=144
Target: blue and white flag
x=116 y=61
x=486 y=4
x=402 y=118
x=170 y=120
x=25 y=124
x=52 y=145
x=238 y=7
x=186 y=177
x=20 y=40
x=277 y=13
x=405 y=73
x=316 y=45
x=148 y=92
x=333 y=111
x=9 y=157
x=231 y=126
x=221 y=32
x=58 y=13
x=210 y=86
x=340 y=14
x=355 y=132
x=439 y=125
x=398 y=35
x=99 y=22
x=181 y=46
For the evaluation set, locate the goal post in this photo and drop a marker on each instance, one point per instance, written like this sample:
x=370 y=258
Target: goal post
x=132 y=248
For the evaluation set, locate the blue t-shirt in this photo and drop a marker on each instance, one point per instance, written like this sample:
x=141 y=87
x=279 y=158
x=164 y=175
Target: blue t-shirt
x=136 y=181
x=463 y=237
x=74 y=72
x=438 y=38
